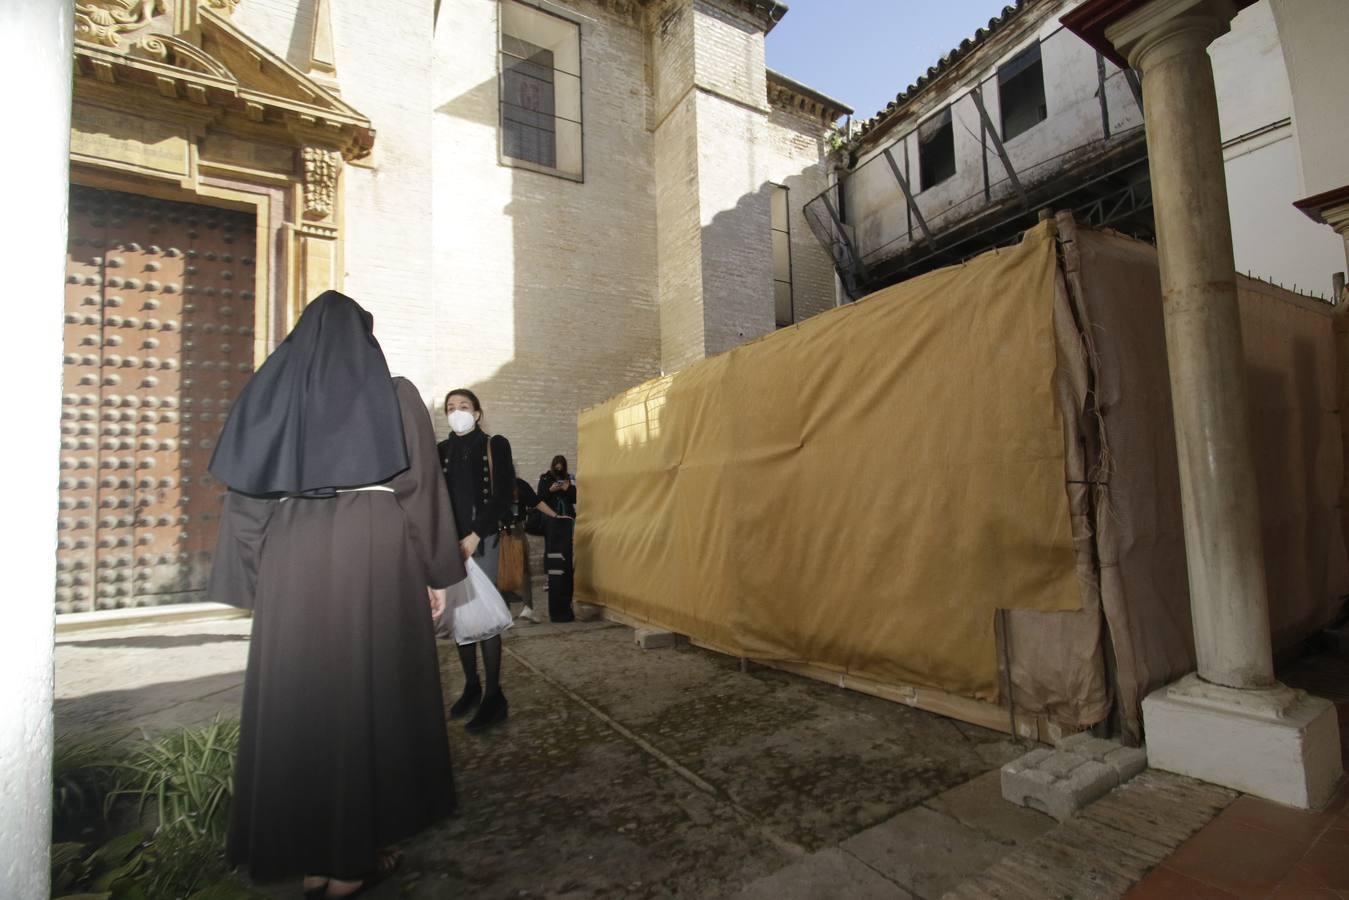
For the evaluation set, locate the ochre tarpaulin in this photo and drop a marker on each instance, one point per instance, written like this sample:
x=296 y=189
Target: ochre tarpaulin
x=861 y=492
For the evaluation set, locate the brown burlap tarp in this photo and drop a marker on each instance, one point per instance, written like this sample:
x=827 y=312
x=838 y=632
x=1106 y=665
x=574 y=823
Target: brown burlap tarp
x=865 y=491
x=1292 y=388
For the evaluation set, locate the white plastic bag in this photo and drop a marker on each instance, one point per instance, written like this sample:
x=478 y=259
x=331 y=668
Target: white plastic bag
x=475 y=608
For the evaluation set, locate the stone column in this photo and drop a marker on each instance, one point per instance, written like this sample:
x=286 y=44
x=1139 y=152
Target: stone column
x=1232 y=723
x=1203 y=341
x=37 y=65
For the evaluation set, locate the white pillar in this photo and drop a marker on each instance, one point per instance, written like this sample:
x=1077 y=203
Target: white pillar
x=1232 y=723
x=36 y=66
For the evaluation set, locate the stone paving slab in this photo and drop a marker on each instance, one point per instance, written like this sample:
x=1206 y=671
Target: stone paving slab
x=979 y=804
x=826 y=875
x=925 y=852
x=814 y=763
x=117 y=682
x=632 y=774
x=1108 y=848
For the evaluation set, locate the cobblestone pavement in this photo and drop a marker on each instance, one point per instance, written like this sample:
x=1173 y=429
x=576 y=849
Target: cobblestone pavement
x=636 y=773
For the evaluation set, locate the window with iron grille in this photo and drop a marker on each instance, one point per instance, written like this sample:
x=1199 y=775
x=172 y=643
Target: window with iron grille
x=782 y=258
x=1021 y=93
x=936 y=150
x=540 y=90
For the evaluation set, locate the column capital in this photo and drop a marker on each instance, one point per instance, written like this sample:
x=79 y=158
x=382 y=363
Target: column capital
x=1160 y=29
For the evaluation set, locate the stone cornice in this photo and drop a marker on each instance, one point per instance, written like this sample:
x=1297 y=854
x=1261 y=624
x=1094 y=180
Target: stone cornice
x=204 y=77
x=792 y=96
x=764 y=14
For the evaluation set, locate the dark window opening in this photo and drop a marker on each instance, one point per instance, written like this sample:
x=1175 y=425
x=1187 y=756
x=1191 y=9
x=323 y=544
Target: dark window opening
x=528 y=104
x=539 y=91
x=1021 y=93
x=936 y=150
x=784 y=303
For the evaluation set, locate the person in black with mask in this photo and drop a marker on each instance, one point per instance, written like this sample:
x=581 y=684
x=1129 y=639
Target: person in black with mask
x=480 y=476
x=557 y=488
x=527 y=504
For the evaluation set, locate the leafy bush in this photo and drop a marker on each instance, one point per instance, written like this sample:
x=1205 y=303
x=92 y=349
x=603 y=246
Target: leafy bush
x=186 y=778
x=187 y=775
x=173 y=866
x=83 y=774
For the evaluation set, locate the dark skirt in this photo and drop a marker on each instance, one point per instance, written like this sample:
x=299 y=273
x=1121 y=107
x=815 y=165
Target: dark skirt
x=343 y=748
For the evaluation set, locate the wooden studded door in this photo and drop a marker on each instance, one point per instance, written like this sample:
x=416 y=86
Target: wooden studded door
x=158 y=342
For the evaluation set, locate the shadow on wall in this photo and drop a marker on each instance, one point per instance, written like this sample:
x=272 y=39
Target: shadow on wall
x=586 y=317
x=583 y=329
x=738 y=244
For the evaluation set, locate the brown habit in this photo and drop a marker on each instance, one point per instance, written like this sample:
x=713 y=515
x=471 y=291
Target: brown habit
x=343 y=747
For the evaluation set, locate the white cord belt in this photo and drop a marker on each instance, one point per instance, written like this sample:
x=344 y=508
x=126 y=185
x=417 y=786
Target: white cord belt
x=369 y=487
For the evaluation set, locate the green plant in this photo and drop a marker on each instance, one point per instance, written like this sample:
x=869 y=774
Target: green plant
x=175 y=865
x=188 y=777
x=96 y=874
x=83 y=774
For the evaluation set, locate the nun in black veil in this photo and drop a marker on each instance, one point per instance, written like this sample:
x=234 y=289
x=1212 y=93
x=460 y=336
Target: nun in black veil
x=336 y=532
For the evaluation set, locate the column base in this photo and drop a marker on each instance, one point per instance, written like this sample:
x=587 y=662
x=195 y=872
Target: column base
x=1276 y=743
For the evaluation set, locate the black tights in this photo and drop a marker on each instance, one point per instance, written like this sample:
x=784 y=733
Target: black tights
x=491 y=663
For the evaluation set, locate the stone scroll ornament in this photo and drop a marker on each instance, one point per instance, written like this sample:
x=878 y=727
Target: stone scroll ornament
x=320 y=181
x=105 y=21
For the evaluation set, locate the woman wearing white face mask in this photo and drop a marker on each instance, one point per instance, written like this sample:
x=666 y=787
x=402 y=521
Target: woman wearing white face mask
x=480 y=476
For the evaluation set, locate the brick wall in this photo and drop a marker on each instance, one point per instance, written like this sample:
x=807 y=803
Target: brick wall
x=796 y=151
x=729 y=54
x=544 y=288
x=737 y=249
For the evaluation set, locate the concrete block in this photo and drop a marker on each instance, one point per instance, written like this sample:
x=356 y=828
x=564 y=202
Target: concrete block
x=1062 y=763
x=587 y=612
x=656 y=639
x=1126 y=761
x=1056 y=782
x=1279 y=744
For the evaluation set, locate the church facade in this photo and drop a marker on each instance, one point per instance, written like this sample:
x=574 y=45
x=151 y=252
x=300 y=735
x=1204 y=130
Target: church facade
x=544 y=202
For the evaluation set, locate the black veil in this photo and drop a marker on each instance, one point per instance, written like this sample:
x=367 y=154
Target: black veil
x=320 y=413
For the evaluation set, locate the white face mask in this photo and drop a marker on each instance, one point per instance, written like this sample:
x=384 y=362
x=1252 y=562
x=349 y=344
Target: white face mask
x=462 y=422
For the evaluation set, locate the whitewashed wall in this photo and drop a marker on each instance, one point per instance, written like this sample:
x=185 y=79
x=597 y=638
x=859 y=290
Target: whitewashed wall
x=1272 y=239
x=41 y=32
x=875 y=203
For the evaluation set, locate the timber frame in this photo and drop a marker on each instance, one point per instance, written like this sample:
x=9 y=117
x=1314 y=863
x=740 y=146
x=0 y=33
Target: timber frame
x=172 y=100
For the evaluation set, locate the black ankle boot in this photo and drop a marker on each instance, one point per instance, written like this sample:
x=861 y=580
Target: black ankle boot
x=467 y=700
x=494 y=709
